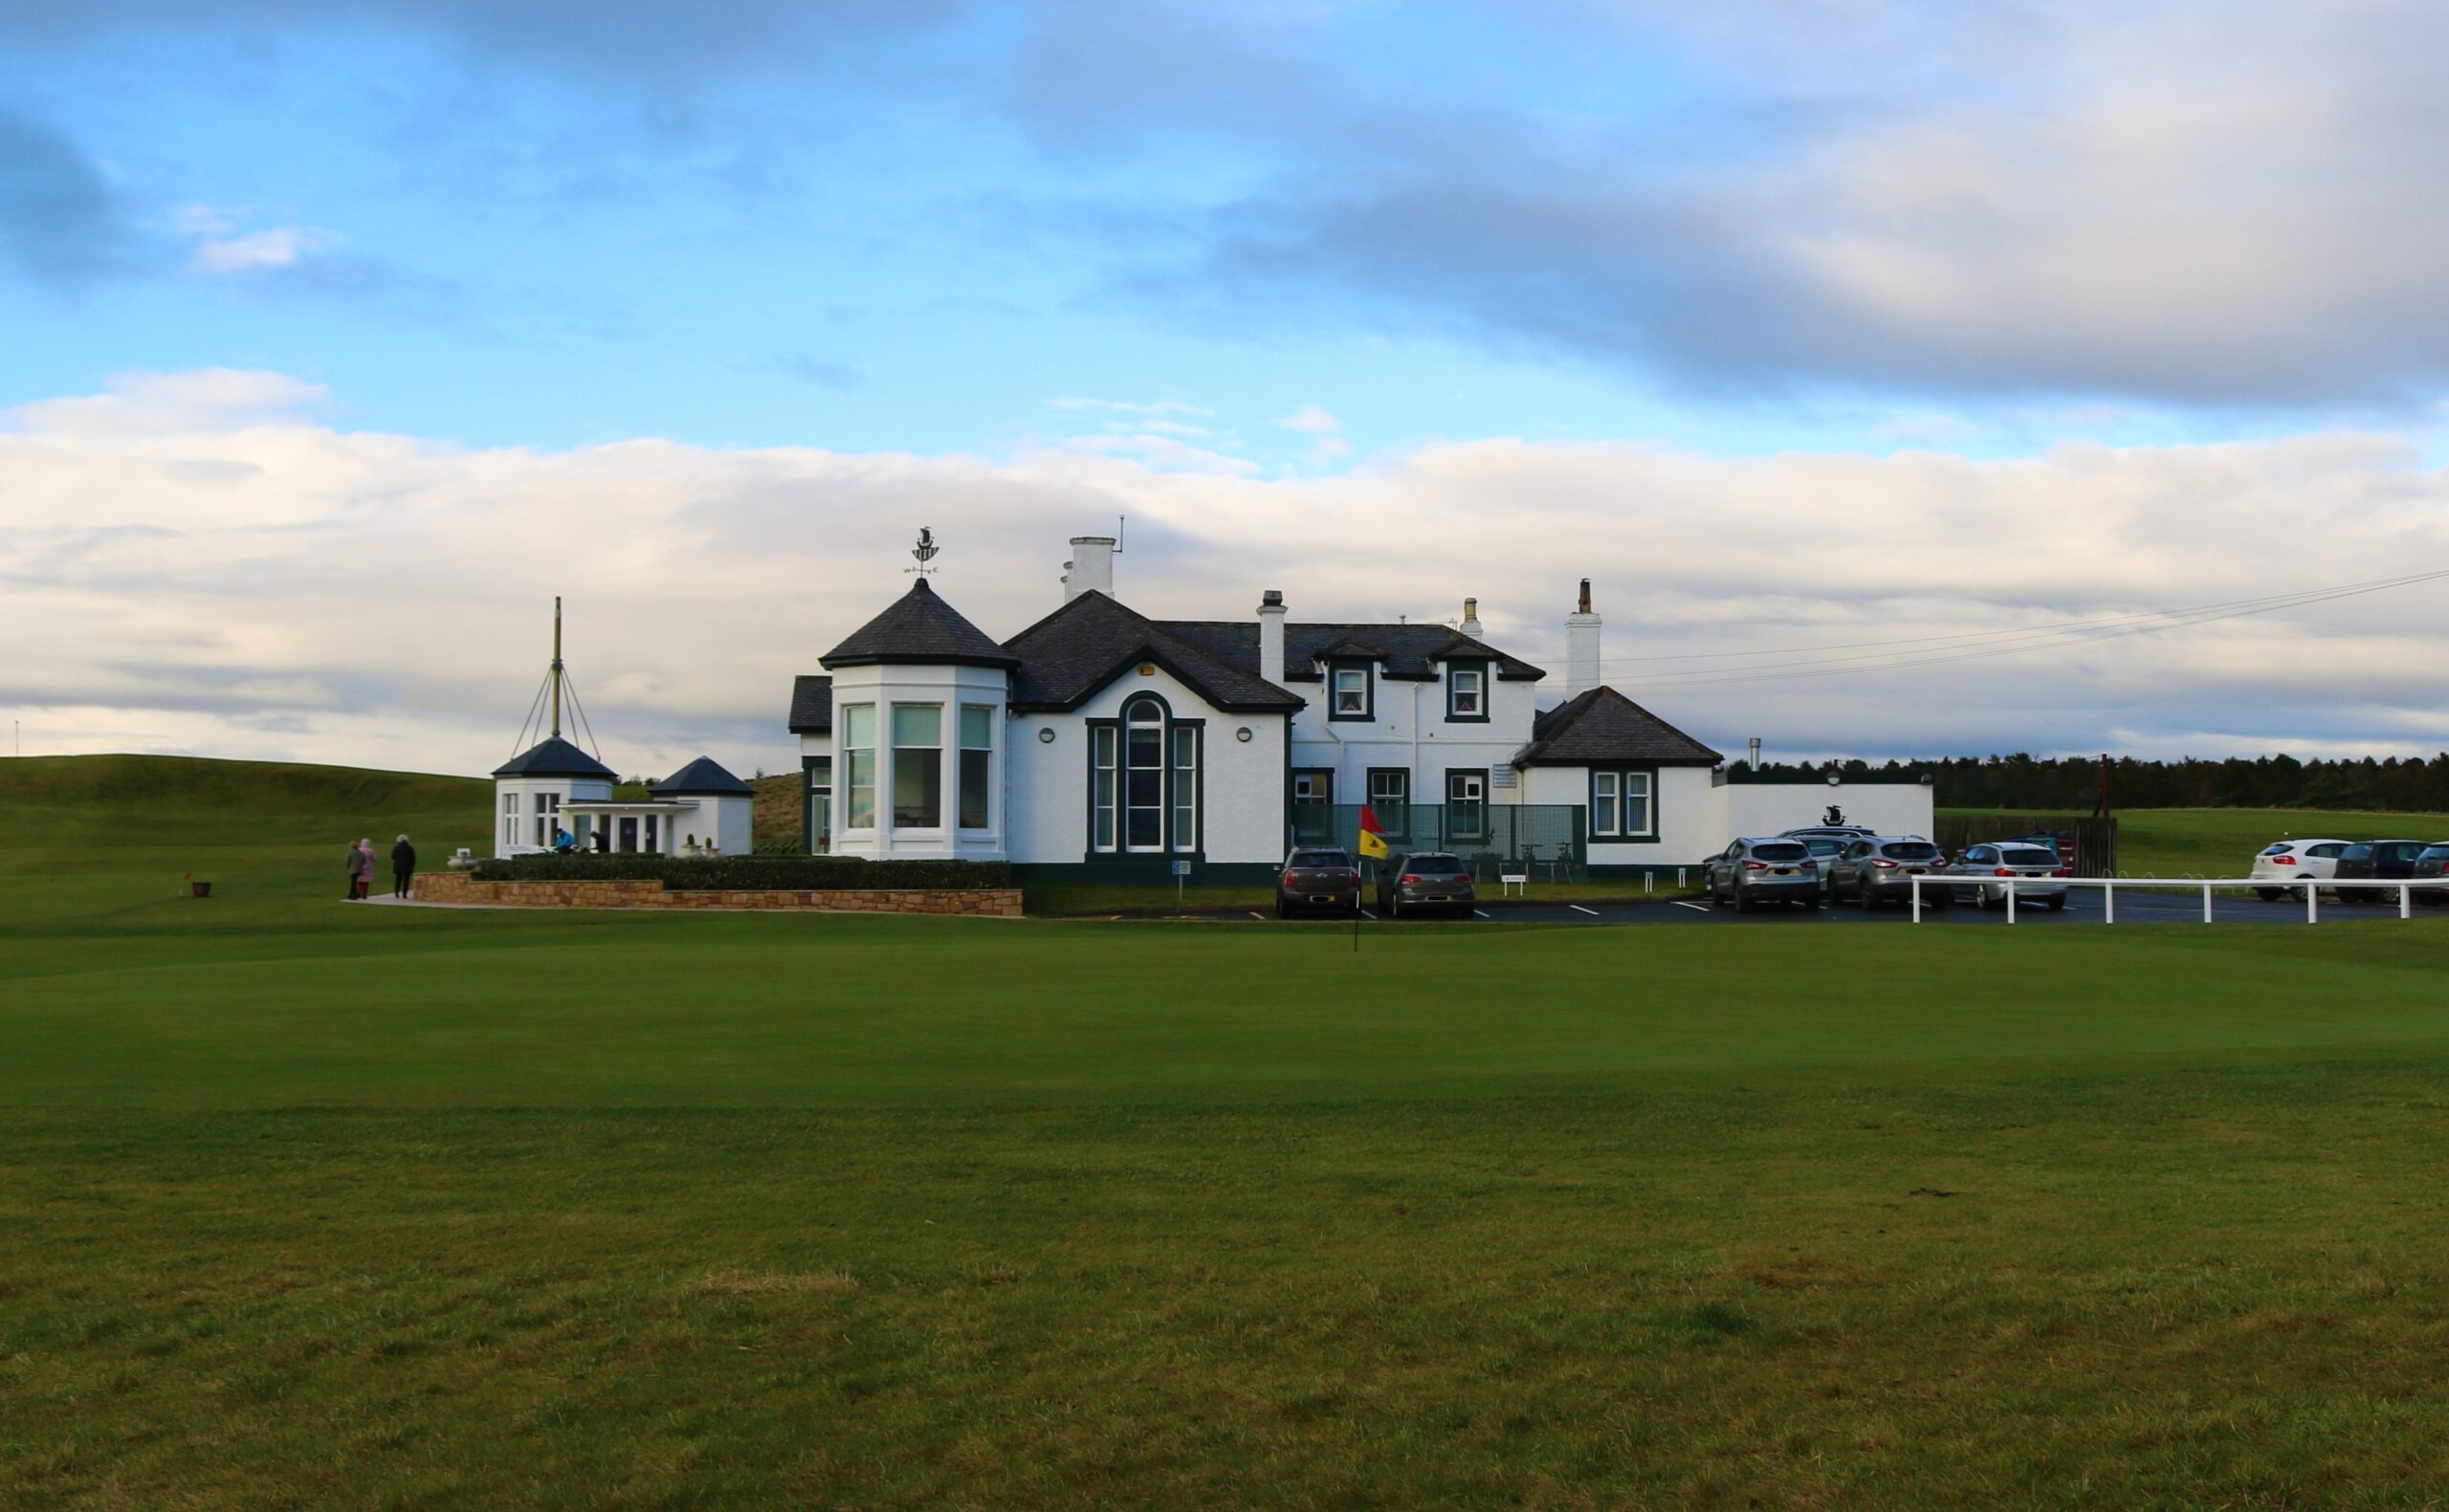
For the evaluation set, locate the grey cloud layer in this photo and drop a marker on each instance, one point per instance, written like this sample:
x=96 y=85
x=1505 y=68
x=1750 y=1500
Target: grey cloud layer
x=207 y=573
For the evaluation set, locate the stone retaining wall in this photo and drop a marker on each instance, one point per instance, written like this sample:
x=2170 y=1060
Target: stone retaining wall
x=457 y=886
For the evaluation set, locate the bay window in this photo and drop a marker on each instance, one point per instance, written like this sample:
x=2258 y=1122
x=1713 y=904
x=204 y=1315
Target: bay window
x=859 y=766
x=917 y=766
x=977 y=764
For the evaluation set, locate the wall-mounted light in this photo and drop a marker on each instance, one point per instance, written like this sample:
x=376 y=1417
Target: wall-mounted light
x=1243 y=735
x=1046 y=734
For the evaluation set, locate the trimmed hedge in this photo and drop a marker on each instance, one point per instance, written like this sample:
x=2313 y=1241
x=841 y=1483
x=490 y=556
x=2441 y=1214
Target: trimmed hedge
x=757 y=873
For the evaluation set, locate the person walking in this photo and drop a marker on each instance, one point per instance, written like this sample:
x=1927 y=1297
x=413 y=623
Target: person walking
x=361 y=868
x=404 y=867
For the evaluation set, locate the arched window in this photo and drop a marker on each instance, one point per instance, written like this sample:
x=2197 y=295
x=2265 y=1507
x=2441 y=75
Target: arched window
x=1143 y=819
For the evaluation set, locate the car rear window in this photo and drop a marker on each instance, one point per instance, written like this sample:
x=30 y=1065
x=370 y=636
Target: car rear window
x=2325 y=852
x=2027 y=856
x=1910 y=850
x=1433 y=865
x=2280 y=849
x=2435 y=853
x=2355 y=853
x=1321 y=858
x=1778 y=850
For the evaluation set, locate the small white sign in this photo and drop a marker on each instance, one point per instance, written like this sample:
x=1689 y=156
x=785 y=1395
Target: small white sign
x=1182 y=869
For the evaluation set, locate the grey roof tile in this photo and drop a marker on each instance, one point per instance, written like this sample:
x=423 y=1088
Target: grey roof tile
x=703 y=778
x=1601 y=726
x=919 y=627
x=1403 y=652
x=555 y=756
x=811 y=705
x=1081 y=646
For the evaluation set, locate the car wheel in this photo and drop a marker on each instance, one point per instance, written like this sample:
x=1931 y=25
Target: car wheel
x=1866 y=899
x=1393 y=906
x=1810 y=905
x=2058 y=905
x=2269 y=894
x=1283 y=909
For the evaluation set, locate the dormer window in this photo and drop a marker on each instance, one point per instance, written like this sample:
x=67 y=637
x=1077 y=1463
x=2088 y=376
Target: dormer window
x=1467 y=692
x=1351 y=692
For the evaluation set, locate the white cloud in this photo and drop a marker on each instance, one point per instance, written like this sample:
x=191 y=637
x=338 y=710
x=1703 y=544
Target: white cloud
x=222 y=249
x=1324 y=430
x=207 y=568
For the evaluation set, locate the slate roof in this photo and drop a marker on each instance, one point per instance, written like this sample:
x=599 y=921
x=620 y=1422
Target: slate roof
x=811 y=705
x=702 y=778
x=555 y=756
x=1604 y=726
x=1404 y=652
x=919 y=627
x=1081 y=646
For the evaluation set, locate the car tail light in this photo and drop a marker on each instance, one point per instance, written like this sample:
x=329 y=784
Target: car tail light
x=2283 y=860
x=1409 y=879
x=1883 y=864
x=2062 y=871
x=1811 y=865
x=1756 y=865
x=2005 y=871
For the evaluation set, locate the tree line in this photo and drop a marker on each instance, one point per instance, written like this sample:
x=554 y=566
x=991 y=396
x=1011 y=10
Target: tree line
x=2070 y=784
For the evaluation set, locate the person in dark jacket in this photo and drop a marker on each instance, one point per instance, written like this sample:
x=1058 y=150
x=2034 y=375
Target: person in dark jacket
x=404 y=867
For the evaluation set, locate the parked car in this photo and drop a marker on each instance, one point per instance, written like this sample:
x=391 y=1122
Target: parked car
x=1425 y=882
x=2433 y=865
x=2375 y=861
x=1753 y=871
x=2007 y=858
x=1824 y=849
x=1318 y=880
x=1881 y=870
x=2294 y=861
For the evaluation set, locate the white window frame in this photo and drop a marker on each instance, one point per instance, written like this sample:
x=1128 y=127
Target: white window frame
x=961 y=766
x=1360 y=692
x=936 y=751
x=1623 y=787
x=1184 y=775
x=1478 y=692
x=1104 y=787
x=851 y=752
x=1132 y=721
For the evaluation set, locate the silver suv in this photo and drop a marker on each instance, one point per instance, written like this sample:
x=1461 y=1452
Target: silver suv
x=2009 y=858
x=1755 y=871
x=1880 y=870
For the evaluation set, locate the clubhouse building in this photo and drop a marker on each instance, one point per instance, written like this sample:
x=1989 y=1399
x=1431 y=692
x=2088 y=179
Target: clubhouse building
x=1106 y=744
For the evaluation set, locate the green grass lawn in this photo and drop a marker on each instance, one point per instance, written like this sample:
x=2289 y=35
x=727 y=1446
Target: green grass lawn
x=306 y=1204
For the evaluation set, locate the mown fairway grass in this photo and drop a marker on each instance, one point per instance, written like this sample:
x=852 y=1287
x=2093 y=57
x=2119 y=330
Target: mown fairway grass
x=305 y=1204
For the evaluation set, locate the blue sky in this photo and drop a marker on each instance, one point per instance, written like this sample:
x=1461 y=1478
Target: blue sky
x=1276 y=242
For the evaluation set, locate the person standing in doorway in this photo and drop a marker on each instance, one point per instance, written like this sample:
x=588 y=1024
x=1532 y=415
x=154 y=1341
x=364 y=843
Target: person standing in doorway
x=361 y=868
x=404 y=867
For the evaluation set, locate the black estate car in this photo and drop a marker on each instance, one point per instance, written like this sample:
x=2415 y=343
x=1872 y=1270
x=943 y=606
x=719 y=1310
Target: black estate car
x=1318 y=880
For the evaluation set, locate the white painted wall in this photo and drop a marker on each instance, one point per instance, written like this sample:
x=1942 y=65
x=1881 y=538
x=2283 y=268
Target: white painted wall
x=950 y=687
x=1770 y=808
x=532 y=795
x=1689 y=815
x=1243 y=788
x=1411 y=732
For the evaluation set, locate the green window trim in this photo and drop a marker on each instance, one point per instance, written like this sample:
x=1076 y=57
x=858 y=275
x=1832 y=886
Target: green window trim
x=1612 y=793
x=1368 y=673
x=1478 y=671
x=1107 y=836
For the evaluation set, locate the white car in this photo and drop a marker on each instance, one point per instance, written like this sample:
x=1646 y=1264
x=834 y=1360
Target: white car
x=2295 y=861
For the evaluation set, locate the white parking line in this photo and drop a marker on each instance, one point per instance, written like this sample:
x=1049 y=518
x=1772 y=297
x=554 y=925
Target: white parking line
x=1579 y=908
x=1256 y=915
x=1694 y=906
x=1366 y=914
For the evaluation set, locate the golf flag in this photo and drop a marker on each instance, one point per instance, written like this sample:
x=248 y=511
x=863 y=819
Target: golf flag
x=1373 y=835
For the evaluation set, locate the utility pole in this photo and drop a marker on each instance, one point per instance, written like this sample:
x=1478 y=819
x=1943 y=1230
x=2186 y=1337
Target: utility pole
x=557 y=667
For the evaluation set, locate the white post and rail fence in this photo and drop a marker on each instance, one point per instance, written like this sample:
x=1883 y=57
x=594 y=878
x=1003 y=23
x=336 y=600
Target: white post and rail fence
x=2108 y=887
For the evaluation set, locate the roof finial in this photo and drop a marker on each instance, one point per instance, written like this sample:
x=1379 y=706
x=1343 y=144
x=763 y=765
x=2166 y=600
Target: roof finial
x=925 y=550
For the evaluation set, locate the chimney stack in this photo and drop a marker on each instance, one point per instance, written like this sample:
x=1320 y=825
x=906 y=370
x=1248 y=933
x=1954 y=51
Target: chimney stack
x=1472 y=618
x=1271 y=636
x=1090 y=568
x=1581 y=646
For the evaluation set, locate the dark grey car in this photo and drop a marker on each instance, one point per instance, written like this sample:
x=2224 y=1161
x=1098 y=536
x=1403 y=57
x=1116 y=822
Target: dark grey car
x=1882 y=869
x=1315 y=880
x=1425 y=882
x=1754 y=872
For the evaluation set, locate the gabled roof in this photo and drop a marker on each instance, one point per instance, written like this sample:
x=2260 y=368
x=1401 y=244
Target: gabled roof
x=1604 y=726
x=1349 y=648
x=1085 y=644
x=555 y=756
x=702 y=778
x=811 y=705
x=1403 y=652
x=918 y=629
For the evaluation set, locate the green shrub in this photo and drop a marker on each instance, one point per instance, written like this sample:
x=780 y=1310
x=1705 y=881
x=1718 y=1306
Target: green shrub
x=730 y=873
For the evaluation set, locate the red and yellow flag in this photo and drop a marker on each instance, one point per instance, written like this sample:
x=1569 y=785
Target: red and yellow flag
x=1373 y=835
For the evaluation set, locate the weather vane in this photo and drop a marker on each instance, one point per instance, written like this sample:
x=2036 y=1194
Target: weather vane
x=925 y=550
